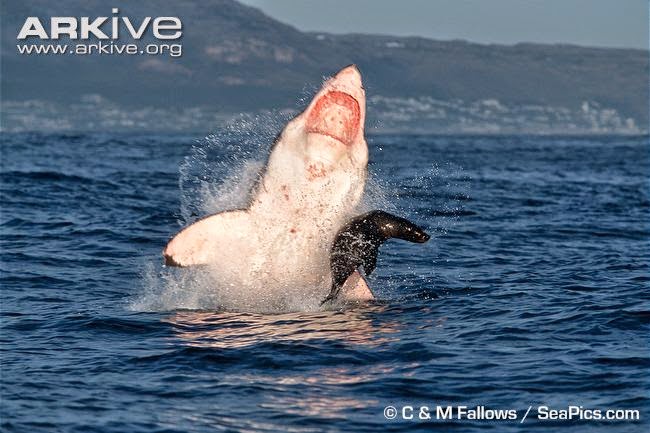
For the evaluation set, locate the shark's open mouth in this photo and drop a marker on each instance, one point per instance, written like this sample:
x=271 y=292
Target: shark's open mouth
x=335 y=114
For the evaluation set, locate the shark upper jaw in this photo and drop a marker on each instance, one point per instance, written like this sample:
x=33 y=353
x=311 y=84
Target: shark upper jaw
x=338 y=110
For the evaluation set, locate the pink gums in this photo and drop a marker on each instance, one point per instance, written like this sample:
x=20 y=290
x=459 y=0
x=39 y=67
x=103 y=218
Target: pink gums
x=336 y=114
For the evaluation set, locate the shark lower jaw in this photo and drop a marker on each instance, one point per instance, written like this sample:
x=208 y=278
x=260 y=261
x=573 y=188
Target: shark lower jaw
x=336 y=115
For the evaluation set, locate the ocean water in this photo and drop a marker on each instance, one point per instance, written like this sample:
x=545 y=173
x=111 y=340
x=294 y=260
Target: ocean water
x=534 y=290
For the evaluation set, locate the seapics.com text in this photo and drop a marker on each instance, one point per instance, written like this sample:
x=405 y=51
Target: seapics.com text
x=104 y=32
x=485 y=413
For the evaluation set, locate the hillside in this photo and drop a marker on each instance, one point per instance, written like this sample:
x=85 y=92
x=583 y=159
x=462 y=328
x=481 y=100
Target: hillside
x=237 y=59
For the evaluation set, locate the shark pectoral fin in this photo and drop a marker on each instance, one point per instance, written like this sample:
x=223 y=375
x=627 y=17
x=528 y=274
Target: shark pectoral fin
x=200 y=242
x=356 y=289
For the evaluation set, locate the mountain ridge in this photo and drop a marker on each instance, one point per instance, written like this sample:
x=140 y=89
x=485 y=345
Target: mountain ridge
x=237 y=59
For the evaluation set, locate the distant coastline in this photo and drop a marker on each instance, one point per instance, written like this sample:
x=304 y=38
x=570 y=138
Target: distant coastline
x=238 y=60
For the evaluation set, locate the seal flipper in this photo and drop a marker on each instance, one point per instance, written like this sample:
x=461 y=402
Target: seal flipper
x=357 y=244
x=370 y=259
x=342 y=265
x=198 y=243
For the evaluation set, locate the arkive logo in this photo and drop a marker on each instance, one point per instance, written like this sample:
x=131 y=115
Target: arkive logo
x=162 y=27
x=112 y=29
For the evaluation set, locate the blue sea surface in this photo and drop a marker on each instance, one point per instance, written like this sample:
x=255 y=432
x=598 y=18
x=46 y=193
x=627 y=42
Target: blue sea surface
x=533 y=291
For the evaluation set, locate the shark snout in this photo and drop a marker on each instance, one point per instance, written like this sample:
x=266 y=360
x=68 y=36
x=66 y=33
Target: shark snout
x=351 y=75
x=348 y=80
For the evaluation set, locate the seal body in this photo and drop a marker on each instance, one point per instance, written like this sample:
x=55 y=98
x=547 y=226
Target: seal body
x=357 y=245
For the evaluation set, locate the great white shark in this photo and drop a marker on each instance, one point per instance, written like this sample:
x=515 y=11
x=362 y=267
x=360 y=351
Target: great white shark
x=297 y=214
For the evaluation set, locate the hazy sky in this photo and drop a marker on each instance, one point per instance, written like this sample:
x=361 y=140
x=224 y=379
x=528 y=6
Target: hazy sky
x=611 y=23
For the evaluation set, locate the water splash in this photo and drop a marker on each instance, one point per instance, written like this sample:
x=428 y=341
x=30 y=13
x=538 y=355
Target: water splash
x=221 y=170
x=219 y=174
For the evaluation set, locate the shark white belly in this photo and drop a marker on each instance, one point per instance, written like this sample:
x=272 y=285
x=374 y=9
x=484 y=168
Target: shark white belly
x=310 y=187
